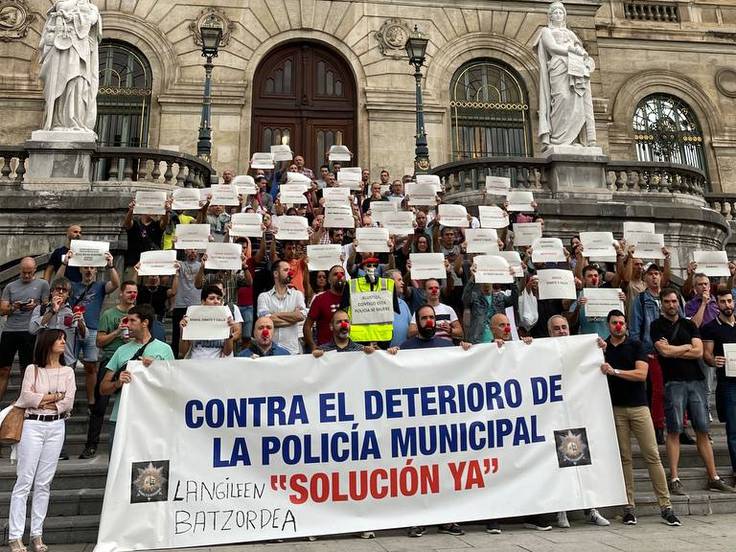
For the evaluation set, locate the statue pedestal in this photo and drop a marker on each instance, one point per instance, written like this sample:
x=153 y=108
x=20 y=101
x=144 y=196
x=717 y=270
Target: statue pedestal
x=59 y=160
x=578 y=172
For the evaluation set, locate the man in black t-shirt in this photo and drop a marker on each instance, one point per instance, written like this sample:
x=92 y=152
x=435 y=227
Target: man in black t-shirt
x=144 y=234
x=73 y=232
x=626 y=367
x=677 y=341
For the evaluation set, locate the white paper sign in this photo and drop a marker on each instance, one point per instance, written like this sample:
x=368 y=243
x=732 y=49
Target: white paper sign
x=185 y=199
x=601 y=301
x=245 y=184
x=492 y=269
x=339 y=153
x=336 y=196
x=514 y=260
x=380 y=208
x=427 y=265
x=261 y=161
x=556 y=284
x=421 y=194
x=292 y=194
x=400 y=223
x=161 y=263
x=339 y=216
x=429 y=180
x=481 y=240
x=520 y=201
x=150 y=203
x=492 y=216
x=637 y=228
x=350 y=177
x=298 y=178
x=598 y=246
x=547 y=250
x=712 y=263
x=192 y=236
x=526 y=232
x=246 y=225
x=281 y=152
x=647 y=246
x=729 y=351
x=224 y=194
x=452 y=214
x=206 y=322
x=372 y=240
x=498 y=185
x=372 y=307
x=323 y=257
x=88 y=253
x=292 y=227
x=224 y=256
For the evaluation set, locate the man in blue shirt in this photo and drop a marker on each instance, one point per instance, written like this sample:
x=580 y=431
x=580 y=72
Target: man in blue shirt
x=578 y=314
x=262 y=343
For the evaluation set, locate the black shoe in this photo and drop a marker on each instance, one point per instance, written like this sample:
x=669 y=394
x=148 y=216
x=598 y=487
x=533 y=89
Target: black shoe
x=538 y=523
x=629 y=517
x=677 y=488
x=659 y=433
x=63 y=455
x=415 y=532
x=88 y=452
x=493 y=527
x=450 y=529
x=685 y=439
x=669 y=517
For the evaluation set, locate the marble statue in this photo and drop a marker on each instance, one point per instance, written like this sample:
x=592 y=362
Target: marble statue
x=565 y=101
x=69 y=65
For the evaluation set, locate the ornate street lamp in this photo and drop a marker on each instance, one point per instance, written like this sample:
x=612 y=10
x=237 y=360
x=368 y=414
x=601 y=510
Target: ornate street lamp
x=211 y=31
x=416 y=49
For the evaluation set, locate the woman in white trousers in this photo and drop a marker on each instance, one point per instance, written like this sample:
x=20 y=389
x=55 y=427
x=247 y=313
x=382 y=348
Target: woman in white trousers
x=47 y=395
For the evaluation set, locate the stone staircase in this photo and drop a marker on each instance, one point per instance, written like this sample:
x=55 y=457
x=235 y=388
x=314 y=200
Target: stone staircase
x=78 y=487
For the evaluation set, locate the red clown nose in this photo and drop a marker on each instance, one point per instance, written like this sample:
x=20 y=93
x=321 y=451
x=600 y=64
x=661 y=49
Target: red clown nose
x=507 y=329
x=344 y=325
x=265 y=332
x=429 y=324
x=339 y=275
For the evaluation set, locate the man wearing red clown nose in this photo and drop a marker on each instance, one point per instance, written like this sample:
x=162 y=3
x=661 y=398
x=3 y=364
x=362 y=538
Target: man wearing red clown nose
x=262 y=343
x=341 y=342
x=501 y=330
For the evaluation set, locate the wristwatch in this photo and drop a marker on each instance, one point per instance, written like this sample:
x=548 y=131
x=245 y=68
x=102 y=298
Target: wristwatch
x=616 y=371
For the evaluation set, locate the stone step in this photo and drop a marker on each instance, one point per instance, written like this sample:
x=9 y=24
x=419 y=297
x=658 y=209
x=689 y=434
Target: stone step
x=689 y=457
x=64 y=529
x=63 y=503
x=72 y=474
x=73 y=445
x=693 y=479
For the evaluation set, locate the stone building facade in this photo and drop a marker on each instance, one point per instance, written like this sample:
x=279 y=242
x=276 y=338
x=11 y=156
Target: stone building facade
x=328 y=71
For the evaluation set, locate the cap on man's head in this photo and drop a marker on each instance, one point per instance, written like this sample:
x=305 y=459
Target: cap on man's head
x=370 y=260
x=652 y=266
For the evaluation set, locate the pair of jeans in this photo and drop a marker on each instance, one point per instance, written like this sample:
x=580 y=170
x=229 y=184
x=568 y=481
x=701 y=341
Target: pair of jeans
x=97 y=410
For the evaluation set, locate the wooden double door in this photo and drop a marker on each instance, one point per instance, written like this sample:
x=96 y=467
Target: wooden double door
x=304 y=95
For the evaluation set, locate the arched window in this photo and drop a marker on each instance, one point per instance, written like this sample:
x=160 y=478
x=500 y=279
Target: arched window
x=666 y=129
x=490 y=112
x=124 y=96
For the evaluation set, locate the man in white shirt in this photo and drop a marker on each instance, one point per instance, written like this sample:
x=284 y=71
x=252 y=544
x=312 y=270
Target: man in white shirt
x=285 y=306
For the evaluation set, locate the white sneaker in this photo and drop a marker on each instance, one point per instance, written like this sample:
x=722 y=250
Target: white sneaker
x=562 y=522
x=599 y=520
x=367 y=535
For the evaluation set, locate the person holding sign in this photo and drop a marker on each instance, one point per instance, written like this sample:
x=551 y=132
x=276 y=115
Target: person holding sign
x=719 y=350
x=212 y=348
x=577 y=311
x=145 y=233
x=262 y=344
x=484 y=302
x=702 y=308
x=73 y=232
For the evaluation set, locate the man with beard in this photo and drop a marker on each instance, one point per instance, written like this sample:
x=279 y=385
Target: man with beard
x=340 y=340
x=285 y=306
x=720 y=331
x=323 y=308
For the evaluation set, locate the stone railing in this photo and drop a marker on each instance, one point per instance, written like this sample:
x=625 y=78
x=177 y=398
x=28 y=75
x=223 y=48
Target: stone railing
x=646 y=176
x=652 y=11
x=14 y=164
x=725 y=204
x=526 y=173
x=150 y=165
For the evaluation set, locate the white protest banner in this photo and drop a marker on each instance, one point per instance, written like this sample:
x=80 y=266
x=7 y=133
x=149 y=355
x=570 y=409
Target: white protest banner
x=526 y=232
x=88 y=253
x=427 y=265
x=481 y=240
x=224 y=256
x=556 y=284
x=339 y=216
x=292 y=227
x=420 y=194
x=372 y=307
x=429 y=180
x=492 y=216
x=245 y=184
x=400 y=223
x=162 y=263
x=350 y=183
x=274 y=453
x=298 y=178
x=224 y=194
x=601 y=301
x=380 y=208
x=492 y=269
x=729 y=351
x=185 y=199
x=637 y=228
x=371 y=240
x=514 y=260
x=150 y=203
x=192 y=236
x=281 y=152
x=293 y=194
x=712 y=263
x=547 y=250
x=246 y=225
x=324 y=257
x=498 y=185
x=453 y=214
x=336 y=196
x=262 y=161
x=206 y=322
x=520 y=201
x=647 y=246
x=339 y=153
x=598 y=246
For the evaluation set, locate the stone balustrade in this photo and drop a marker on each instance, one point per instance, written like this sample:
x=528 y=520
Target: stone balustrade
x=724 y=204
x=645 y=177
x=526 y=173
x=150 y=165
x=652 y=11
x=14 y=164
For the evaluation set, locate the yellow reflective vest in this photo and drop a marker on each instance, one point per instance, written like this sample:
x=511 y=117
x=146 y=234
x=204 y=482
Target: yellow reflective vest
x=370 y=332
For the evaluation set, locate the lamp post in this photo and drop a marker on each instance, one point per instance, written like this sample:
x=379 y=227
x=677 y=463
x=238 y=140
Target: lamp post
x=416 y=49
x=211 y=32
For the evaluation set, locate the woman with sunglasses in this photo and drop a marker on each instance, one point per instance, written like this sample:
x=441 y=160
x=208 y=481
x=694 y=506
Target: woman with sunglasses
x=47 y=394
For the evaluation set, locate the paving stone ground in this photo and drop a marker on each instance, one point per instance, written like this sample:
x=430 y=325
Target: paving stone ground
x=697 y=534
